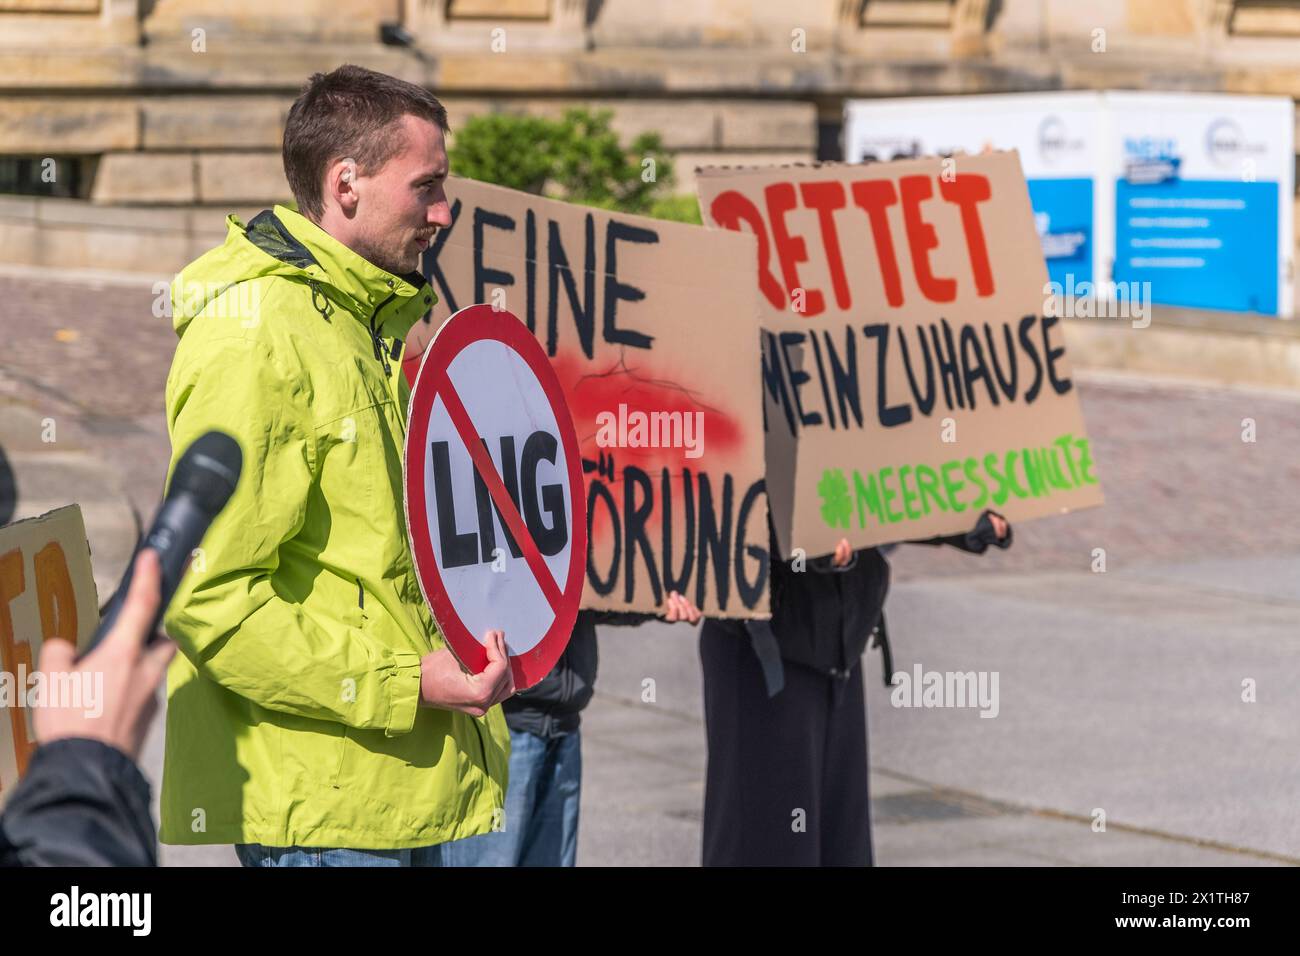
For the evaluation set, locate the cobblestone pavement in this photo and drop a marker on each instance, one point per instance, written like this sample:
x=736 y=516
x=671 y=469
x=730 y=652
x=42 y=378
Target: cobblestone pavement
x=92 y=356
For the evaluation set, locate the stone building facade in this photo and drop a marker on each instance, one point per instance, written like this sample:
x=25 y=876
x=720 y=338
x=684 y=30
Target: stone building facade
x=129 y=127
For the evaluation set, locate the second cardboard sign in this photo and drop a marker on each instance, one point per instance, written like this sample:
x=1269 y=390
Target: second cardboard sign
x=911 y=375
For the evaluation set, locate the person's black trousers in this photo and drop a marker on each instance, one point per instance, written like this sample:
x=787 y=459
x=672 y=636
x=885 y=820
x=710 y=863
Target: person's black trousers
x=787 y=775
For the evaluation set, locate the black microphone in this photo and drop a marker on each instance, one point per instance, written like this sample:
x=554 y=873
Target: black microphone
x=202 y=483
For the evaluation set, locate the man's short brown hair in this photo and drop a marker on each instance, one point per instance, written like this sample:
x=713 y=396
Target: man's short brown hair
x=350 y=112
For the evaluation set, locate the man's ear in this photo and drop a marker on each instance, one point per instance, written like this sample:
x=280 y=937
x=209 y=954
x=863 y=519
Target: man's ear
x=341 y=184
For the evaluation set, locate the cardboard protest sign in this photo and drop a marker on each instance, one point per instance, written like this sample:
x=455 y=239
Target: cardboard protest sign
x=911 y=375
x=46 y=590
x=495 y=503
x=652 y=329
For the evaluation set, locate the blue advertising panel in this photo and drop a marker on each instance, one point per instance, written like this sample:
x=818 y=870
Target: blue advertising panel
x=1201 y=243
x=1199 y=209
x=1171 y=198
x=1063 y=214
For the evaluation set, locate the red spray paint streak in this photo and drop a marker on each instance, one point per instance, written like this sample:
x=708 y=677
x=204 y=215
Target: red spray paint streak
x=595 y=387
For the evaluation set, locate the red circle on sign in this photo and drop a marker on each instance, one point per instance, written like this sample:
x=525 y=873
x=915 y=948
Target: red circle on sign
x=470 y=325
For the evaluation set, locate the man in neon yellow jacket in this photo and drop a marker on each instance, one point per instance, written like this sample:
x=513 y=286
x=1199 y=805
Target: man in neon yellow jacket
x=315 y=716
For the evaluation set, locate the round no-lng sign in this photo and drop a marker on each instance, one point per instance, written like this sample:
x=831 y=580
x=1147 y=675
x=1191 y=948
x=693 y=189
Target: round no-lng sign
x=495 y=505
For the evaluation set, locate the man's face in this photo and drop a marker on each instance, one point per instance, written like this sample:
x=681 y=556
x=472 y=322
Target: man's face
x=401 y=205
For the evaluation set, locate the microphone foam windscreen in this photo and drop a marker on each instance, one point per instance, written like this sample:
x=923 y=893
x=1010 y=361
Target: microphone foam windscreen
x=209 y=470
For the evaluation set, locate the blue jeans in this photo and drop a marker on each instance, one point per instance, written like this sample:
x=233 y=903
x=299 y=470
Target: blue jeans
x=541 y=819
x=255 y=854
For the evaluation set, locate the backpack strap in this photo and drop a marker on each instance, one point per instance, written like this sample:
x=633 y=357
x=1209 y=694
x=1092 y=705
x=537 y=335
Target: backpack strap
x=880 y=639
x=763 y=640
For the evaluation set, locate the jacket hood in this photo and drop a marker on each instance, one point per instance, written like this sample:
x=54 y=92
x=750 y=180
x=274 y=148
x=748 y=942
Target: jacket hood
x=281 y=242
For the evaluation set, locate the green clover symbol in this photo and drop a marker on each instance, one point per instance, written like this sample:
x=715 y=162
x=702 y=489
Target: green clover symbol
x=837 y=506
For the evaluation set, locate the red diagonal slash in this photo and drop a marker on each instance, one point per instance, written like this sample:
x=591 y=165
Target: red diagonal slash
x=497 y=489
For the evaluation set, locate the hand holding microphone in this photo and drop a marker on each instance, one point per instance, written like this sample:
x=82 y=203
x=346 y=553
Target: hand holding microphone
x=125 y=648
x=202 y=483
x=131 y=669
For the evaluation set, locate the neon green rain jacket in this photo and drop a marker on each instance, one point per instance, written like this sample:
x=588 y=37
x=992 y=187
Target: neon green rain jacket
x=292 y=714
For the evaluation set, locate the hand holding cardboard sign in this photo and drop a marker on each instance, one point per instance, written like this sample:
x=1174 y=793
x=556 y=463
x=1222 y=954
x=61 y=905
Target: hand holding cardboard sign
x=445 y=684
x=680 y=608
